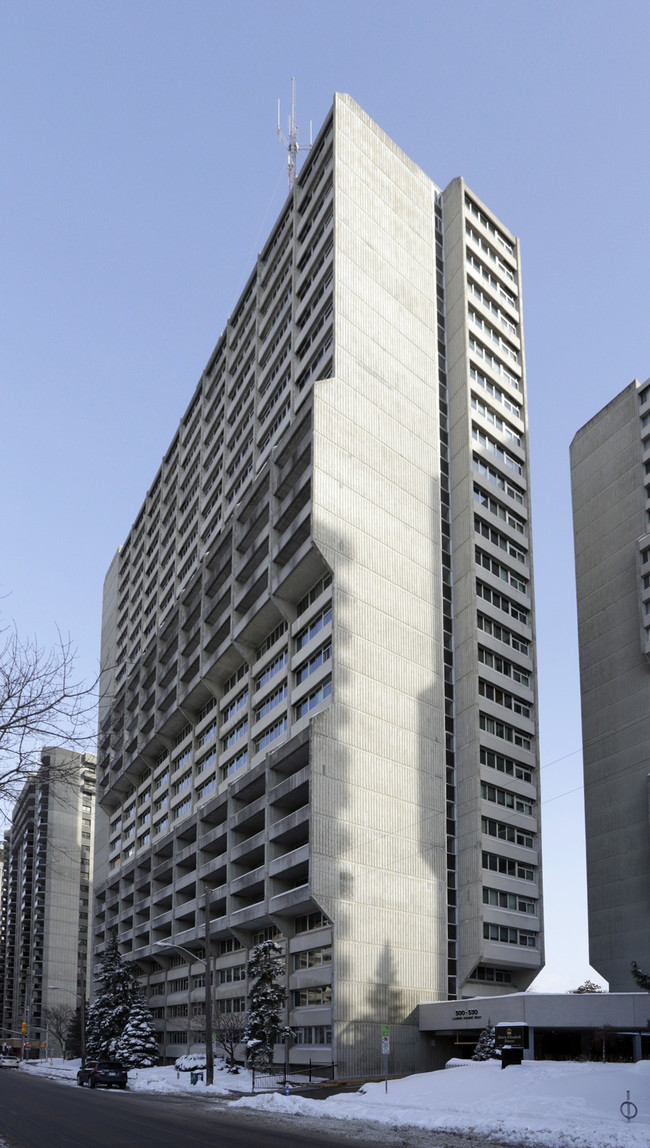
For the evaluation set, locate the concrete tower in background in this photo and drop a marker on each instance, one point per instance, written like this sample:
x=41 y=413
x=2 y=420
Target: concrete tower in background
x=46 y=891
x=318 y=716
x=610 y=476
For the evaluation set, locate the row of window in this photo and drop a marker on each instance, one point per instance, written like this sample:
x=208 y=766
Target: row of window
x=505 y=765
x=514 y=902
x=509 y=936
x=503 y=666
x=501 y=697
x=505 y=798
x=504 y=832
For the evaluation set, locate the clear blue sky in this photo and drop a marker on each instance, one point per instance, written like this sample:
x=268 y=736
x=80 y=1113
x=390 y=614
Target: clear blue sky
x=141 y=173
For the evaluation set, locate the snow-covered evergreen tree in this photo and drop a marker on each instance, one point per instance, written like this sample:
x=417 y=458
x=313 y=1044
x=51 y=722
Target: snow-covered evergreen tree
x=486 y=1048
x=137 y=1047
x=109 y=1012
x=641 y=978
x=266 y=1000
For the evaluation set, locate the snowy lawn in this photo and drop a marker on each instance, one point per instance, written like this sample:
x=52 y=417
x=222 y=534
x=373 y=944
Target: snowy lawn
x=165 y=1079
x=555 y=1104
x=559 y=1104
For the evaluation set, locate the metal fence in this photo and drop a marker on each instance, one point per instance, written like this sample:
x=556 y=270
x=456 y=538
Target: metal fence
x=278 y=1075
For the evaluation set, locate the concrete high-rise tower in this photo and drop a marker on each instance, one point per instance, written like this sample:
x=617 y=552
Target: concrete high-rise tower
x=318 y=698
x=45 y=907
x=610 y=476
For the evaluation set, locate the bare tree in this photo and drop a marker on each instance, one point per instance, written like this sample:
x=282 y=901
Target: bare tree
x=229 y=1030
x=42 y=702
x=58 y=1019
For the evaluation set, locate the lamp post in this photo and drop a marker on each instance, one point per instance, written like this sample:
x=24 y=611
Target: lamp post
x=206 y=961
x=82 y=1017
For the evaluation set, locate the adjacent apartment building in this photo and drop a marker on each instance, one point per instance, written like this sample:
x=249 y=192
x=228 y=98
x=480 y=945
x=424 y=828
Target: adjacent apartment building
x=45 y=903
x=610 y=476
x=318 y=709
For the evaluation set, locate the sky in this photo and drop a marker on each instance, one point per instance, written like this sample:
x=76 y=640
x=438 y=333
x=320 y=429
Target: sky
x=141 y=174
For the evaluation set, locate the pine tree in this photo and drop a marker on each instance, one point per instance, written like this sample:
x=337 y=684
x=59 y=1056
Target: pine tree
x=109 y=1012
x=137 y=1047
x=641 y=978
x=266 y=1000
x=486 y=1048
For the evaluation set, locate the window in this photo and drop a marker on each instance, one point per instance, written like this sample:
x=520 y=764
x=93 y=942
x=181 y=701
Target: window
x=315 y=592
x=311 y=921
x=234 y=764
x=314 y=663
x=271 y=701
x=497 y=508
x=492 y=975
x=231 y=945
x=271 y=734
x=505 y=765
x=511 y=901
x=502 y=698
x=272 y=638
x=502 y=634
x=183 y=783
x=500 y=571
x=234 y=973
x=506 y=798
x=509 y=936
x=313 y=958
x=505 y=832
x=322 y=995
x=236 y=704
x=501 y=603
x=497 y=539
x=208 y=732
x=208 y=787
x=484 y=440
x=314 y=1034
x=272 y=669
x=314 y=699
x=503 y=666
x=314 y=627
x=239 y=731
x=232 y=1004
x=179 y=985
x=508 y=867
x=183 y=808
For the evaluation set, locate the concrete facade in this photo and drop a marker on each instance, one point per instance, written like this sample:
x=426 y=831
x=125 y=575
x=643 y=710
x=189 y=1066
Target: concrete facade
x=280 y=699
x=560 y=1026
x=46 y=895
x=610 y=475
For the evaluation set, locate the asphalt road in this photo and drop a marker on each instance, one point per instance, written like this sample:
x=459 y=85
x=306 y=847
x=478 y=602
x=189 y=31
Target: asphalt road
x=46 y=1114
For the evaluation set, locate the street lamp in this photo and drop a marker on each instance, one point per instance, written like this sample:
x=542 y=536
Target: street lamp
x=82 y=1017
x=192 y=957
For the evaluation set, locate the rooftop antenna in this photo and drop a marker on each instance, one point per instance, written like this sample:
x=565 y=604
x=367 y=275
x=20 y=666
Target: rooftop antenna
x=291 y=141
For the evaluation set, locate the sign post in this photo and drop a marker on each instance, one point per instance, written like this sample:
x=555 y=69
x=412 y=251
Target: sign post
x=385 y=1050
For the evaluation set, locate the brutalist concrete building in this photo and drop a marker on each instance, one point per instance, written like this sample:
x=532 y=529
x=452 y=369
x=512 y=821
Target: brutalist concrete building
x=318 y=700
x=610 y=475
x=46 y=893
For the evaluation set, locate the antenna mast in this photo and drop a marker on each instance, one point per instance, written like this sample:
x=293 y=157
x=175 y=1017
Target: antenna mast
x=291 y=142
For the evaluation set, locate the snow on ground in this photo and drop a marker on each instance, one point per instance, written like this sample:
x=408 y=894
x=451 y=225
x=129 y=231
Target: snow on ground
x=550 y=1103
x=158 y=1080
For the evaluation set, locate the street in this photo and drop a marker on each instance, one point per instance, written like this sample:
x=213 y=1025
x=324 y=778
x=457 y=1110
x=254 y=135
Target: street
x=36 y=1113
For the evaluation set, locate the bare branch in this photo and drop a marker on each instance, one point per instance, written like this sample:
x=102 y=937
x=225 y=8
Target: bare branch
x=42 y=702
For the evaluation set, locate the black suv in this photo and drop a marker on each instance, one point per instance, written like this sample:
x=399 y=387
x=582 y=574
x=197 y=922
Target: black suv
x=106 y=1072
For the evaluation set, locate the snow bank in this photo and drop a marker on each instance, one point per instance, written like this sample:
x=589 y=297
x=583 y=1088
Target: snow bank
x=559 y=1105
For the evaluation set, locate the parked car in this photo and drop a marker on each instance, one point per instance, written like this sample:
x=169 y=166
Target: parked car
x=102 y=1072
x=9 y=1062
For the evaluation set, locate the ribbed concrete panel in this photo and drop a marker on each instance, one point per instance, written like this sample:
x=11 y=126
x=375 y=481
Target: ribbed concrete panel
x=378 y=826
x=609 y=517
